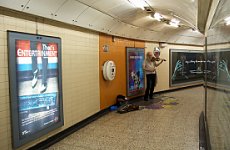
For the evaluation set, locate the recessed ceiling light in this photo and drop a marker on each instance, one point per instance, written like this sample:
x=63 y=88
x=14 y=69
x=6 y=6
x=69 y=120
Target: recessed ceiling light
x=227 y=20
x=174 y=22
x=157 y=16
x=138 y=3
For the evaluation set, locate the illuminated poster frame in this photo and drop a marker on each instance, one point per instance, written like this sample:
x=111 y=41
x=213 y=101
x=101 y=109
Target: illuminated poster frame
x=218 y=72
x=35 y=85
x=186 y=67
x=134 y=72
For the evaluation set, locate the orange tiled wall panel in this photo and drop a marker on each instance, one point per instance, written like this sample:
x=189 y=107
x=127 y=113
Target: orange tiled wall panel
x=117 y=52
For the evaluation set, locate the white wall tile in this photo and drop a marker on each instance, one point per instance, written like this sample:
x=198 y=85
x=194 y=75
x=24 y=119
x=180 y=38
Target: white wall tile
x=80 y=74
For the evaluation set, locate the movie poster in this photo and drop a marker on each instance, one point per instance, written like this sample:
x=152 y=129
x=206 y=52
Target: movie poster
x=218 y=66
x=186 y=67
x=35 y=84
x=135 y=74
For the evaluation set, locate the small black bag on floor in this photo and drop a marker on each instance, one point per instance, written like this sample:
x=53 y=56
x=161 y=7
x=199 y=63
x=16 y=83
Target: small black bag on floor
x=124 y=107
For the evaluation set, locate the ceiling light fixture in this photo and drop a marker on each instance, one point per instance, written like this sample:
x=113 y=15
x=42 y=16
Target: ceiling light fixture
x=157 y=16
x=227 y=21
x=174 y=22
x=138 y=3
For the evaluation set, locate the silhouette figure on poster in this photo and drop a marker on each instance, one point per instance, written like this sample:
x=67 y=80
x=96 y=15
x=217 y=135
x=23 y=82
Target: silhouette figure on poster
x=35 y=69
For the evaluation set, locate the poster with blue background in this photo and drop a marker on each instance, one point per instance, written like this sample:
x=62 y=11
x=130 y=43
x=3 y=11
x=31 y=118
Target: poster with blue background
x=135 y=73
x=35 y=85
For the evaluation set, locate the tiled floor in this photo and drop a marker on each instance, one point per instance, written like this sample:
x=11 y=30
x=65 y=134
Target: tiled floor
x=169 y=128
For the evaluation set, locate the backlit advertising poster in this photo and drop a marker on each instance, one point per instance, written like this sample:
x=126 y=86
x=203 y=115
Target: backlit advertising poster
x=135 y=74
x=186 y=67
x=218 y=66
x=35 y=85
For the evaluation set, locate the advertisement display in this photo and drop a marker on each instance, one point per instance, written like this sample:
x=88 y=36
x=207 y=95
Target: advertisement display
x=218 y=66
x=135 y=74
x=186 y=67
x=35 y=85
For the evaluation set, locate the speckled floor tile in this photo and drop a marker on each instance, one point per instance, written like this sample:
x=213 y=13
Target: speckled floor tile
x=170 y=128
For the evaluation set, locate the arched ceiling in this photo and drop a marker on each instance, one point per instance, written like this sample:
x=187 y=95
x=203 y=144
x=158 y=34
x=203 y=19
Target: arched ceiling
x=222 y=12
x=121 y=17
x=218 y=30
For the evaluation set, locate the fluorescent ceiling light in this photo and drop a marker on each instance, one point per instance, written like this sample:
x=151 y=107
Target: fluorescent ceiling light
x=157 y=16
x=138 y=3
x=227 y=20
x=228 y=23
x=174 y=23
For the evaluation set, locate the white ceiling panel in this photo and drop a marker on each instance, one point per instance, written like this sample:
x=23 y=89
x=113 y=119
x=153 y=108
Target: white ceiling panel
x=141 y=21
x=124 y=11
x=45 y=8
x=186 y=10
x=70 y=11
x=121 y=29
x=132 y=31
x=189 y=40
x=14 y=4
x=88 y=16
x=104 y=22
x=118 y=17
x=87 y=2
x=107 y=5
x=154 y=26
x=222 y=12
x=185 y=32
x=116 y=28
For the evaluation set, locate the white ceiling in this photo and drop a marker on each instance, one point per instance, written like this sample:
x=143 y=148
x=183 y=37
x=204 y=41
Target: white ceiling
x=222 y=12
x=120 y=17
x=218 y=31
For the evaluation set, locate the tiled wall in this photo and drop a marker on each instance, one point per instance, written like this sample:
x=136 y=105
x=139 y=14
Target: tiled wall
x=80 y=75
